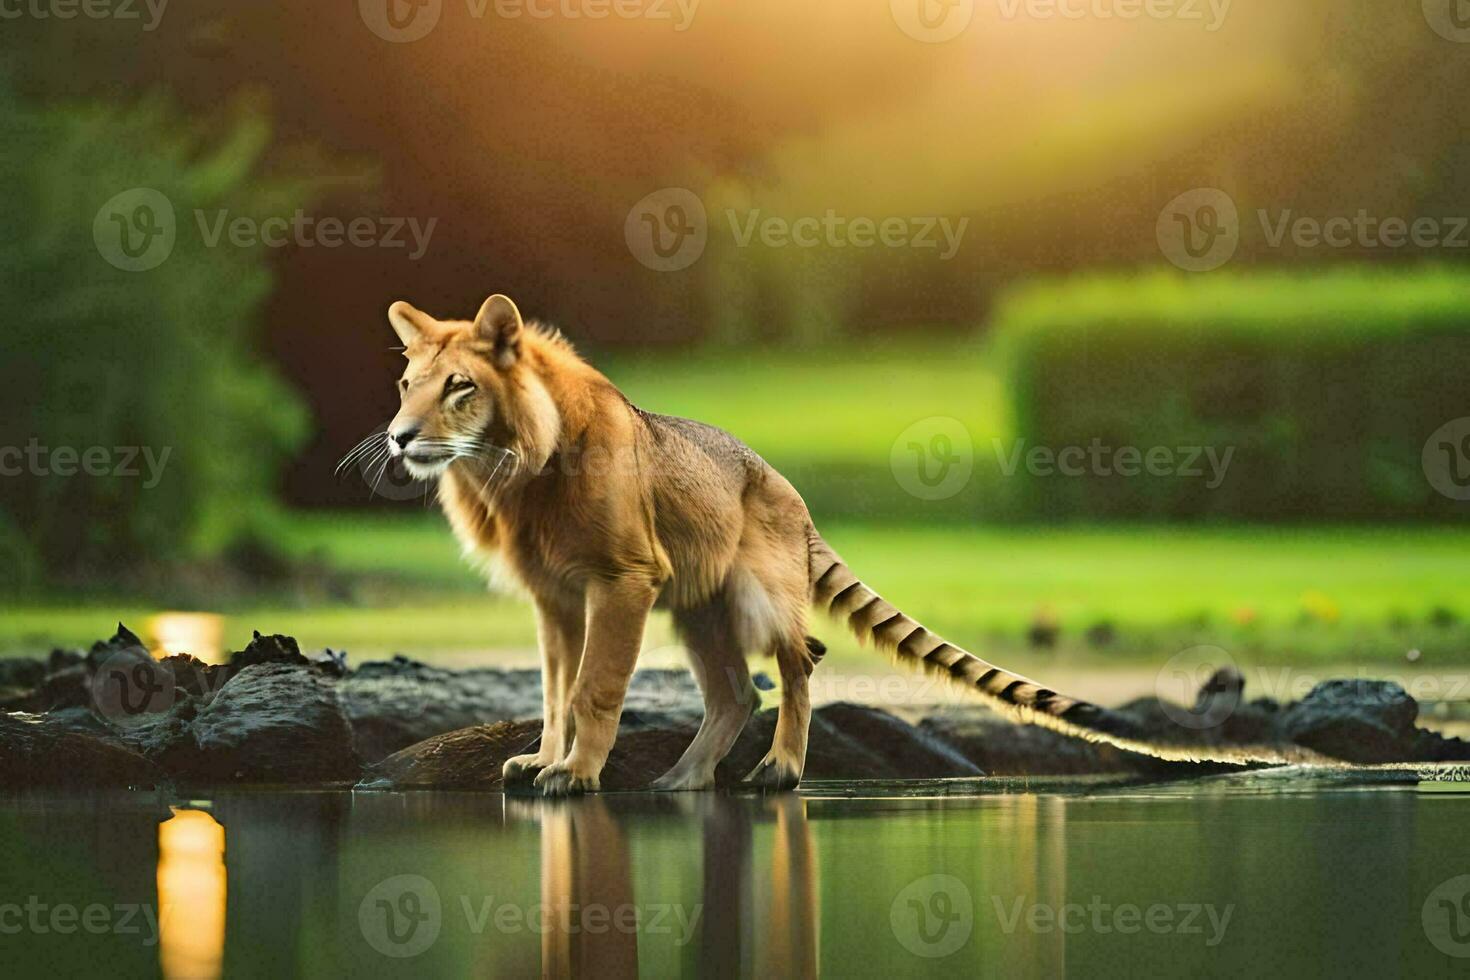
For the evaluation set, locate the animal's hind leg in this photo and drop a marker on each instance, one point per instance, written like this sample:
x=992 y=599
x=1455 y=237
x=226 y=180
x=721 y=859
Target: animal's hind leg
x=729 y=696
x=782 y=767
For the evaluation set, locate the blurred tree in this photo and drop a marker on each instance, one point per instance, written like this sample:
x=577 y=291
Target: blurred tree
x=139 y=422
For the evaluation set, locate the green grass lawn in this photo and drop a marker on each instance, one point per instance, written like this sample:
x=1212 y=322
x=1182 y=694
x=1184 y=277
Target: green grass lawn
x=1267 y=595
x=841 y=406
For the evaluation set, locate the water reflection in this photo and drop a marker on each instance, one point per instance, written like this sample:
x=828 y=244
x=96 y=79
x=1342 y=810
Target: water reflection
x=752 y=918
x=270 y=884
x=191 y=895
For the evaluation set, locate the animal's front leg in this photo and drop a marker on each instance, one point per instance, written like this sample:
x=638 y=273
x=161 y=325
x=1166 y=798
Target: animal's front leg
x=616 y=614
x=560 y=628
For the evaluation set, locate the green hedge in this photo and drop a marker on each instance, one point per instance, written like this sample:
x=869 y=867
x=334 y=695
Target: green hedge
x=1325 y=386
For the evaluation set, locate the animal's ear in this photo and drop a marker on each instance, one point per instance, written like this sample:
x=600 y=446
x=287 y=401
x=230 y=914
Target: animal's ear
x=499 y=324
x=408 y=323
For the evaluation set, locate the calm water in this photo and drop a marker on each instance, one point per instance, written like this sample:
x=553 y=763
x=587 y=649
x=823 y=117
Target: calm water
x=1281 y=875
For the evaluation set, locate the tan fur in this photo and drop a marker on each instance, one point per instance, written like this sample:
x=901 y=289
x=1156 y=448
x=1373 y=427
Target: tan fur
x=600 y=510
x=603 y=511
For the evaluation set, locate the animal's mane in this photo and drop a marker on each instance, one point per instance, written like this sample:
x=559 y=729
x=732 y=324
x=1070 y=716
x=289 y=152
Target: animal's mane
x=548 y=336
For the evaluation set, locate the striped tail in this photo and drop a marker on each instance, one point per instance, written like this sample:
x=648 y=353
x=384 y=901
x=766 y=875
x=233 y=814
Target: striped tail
x=840 y=593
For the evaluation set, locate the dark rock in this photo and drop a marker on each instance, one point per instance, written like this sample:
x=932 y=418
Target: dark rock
x=1003 y=748
x=470 y=758
x=332 y=663
x=273 y=722
x=397 y=703
x=124 y=641
x=38 y=752
x=847 y=742
x=21 y=673
x=394 y=704
x=273 y=649
x=62 y=659
x=1354 y=720
x=195 y=677
x=897 y=749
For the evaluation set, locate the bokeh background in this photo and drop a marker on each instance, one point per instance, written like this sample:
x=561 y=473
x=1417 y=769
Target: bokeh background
x=896 y=247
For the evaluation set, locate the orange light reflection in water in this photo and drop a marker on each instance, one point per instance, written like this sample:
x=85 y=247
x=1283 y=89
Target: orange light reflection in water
x=191 y=895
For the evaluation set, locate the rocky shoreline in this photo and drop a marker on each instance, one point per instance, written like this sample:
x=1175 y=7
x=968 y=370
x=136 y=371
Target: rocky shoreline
x=115 y=717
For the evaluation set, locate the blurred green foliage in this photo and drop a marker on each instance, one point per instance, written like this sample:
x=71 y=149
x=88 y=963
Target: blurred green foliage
x=1325 y=385
x=163 y=360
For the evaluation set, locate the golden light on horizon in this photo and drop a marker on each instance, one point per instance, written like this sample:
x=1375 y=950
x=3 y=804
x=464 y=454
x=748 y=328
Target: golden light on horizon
x=198 y=634
x=191 y=895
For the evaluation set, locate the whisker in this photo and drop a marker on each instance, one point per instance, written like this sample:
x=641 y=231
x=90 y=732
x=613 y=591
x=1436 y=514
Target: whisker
x=357 y=451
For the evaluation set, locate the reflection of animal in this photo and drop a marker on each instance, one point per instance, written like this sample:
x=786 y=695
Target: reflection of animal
x=602 y=511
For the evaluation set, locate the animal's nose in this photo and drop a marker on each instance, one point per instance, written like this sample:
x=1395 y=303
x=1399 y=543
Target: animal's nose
x=403 y=436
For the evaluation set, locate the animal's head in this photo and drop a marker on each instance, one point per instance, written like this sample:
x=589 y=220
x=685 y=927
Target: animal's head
x=465 y=393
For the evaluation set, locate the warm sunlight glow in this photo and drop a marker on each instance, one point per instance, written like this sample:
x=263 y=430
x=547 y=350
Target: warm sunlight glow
x=191 y=895
x=198 y=634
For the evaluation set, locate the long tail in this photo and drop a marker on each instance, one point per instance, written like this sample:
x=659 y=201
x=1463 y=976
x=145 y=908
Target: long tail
x=839 y=592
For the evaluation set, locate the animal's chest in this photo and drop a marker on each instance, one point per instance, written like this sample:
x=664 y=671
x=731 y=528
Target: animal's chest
x=543 y=549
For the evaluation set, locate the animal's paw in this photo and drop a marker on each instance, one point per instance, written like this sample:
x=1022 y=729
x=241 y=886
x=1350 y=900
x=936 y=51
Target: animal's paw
x=773 y=775
x=687 y=781
x=523 y=768
x=561 y=780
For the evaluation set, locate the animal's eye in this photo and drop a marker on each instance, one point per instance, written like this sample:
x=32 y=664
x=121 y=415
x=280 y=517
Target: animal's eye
x=403 y=385
x=456 y=383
